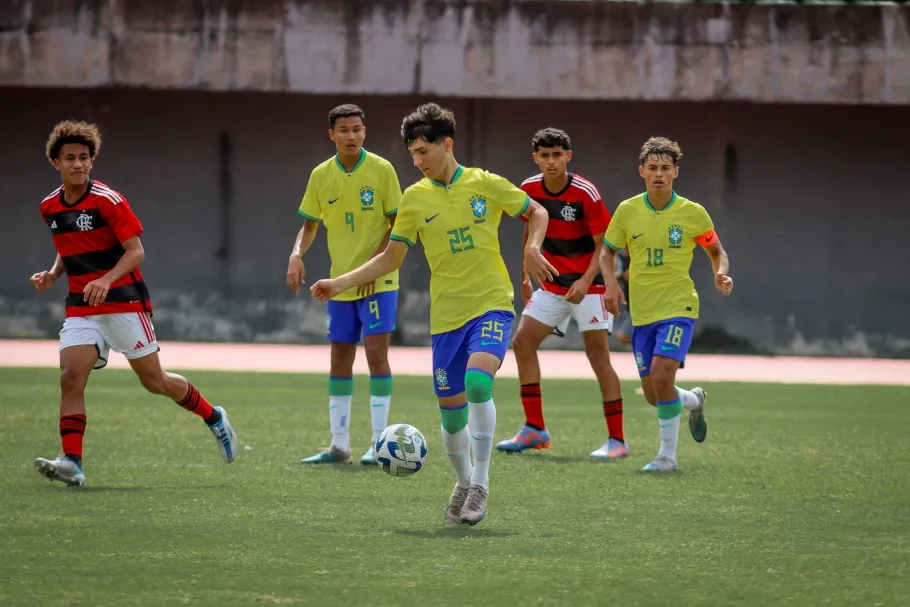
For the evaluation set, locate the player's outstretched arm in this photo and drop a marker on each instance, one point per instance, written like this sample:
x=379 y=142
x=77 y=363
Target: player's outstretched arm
x=721 y=265
x=296 y=271
x=46 y=279
x=614 y=294
x=387 y=261
x=535 y=264
x=367 y=289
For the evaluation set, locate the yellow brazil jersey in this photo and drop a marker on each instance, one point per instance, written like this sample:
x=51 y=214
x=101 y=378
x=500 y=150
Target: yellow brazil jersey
x=660 y=245
x=458 y=225
x=355 y=208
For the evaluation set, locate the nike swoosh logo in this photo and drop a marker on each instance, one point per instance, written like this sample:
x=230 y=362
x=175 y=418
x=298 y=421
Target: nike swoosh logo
x=709 y=240
x=332 y=200
x=667 y=348
x=378 y=405
x=429 y=219
x=633 y=237
x=490 y=343
x=375 y=324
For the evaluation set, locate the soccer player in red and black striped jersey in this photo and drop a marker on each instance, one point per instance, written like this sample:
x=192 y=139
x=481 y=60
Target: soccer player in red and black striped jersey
x=578 y=220
x=96 y=236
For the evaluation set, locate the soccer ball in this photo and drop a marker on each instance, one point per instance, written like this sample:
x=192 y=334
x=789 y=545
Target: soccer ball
x=401 y=450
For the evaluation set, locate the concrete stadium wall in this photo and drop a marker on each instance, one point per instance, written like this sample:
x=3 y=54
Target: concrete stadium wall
x=810 y=202
x=667 y=51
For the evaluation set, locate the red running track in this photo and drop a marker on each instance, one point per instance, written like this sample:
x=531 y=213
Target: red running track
x=556 y=364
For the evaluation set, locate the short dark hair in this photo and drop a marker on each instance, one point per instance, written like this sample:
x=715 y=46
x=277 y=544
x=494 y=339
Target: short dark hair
x=429 y=121
x=345 y=111
x=551 y=138
x=73 y=131
x=660 y=146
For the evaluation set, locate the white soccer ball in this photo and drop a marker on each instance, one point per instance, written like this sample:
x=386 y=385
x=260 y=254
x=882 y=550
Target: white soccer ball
x=401 y=450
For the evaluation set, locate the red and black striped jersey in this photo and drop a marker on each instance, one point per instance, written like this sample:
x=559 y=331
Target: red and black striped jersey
x=577 y=213
x=88 y=235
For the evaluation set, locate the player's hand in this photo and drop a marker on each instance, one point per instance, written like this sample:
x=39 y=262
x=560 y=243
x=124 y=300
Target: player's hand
x=612 y=297
x=43 y=280
x=527 y=290
x=296 y=273
x=723 y=283
x=578 y=290
x=325 y=289
x=95 y=292
x=367 y=289
x=538 y=267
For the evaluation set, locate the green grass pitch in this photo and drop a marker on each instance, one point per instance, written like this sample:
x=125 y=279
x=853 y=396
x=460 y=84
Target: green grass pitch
x=800 y=496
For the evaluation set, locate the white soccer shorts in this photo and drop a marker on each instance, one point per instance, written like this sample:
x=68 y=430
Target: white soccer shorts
x=555 y=311
x=129 y=333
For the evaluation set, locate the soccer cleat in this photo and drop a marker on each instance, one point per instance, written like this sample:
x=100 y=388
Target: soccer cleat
x=698 y=425
x=661 y=464
x=224 y=434
x=475 y=505
x=612 y=449
x=456 y=503
x=61 y=469
x=369 y=458
x=332 y=455
x=526 y=438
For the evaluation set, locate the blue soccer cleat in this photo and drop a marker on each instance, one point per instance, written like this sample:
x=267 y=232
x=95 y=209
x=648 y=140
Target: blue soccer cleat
x=526 y=438
x=61 y=469
x=224 y=434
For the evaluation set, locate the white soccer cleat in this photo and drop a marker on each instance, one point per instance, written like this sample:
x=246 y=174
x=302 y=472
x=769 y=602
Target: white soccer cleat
x=661 y=464
x=475 y=505
x=61 y=469
x=456 y=503
x=224 y=434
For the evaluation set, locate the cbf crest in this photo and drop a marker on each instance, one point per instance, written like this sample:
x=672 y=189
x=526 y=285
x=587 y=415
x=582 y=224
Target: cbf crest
x=442 y=379
x=479 y=207
x=675 y=236
x=366 y=198
x=640 y=361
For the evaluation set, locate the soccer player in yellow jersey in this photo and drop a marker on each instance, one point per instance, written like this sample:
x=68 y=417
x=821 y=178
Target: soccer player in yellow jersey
x=355 y=194
x=455 y=212
x=660 y=230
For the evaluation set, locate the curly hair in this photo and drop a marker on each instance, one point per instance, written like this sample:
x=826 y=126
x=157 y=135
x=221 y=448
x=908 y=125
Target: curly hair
x=73 y=131
x=660 y=146
x=430 y=121
x=551 y=138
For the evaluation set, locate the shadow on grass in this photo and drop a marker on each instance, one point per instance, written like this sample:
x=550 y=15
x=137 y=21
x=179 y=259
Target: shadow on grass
x=454 y=533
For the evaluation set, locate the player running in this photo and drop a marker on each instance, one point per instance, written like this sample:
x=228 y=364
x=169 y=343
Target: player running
x=660 y=229
x=355 y=194
x=96 y=236
x=578 y=220
x=455 y=212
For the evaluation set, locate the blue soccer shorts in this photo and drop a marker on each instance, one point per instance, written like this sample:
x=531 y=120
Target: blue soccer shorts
x=671 y=338
x=348 y=322
x=490 y=333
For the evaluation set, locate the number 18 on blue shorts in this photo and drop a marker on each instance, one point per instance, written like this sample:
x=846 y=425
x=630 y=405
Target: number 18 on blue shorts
x=347 y=322
x=670 y=338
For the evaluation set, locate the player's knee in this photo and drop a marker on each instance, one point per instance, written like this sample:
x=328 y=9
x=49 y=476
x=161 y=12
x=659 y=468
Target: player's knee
x=377 y=358
x=478 y=386
x=72 y=382
x=523 y=344
x=342 y=359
